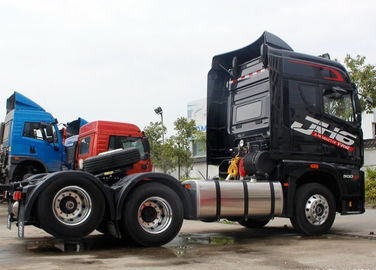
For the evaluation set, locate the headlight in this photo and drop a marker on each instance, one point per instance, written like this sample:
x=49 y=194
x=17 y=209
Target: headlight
x=80 y=164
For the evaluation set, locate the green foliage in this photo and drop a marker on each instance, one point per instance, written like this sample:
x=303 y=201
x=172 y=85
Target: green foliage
x=200 y=138
x=185 y=132
x=338 y=105
x=364 y=76
x=370 y=187
x=162 y=155
x=154 y=132
x=176 y=150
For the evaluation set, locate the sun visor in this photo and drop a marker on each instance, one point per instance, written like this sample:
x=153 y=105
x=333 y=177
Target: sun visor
x=20 y=102
x=251 y=51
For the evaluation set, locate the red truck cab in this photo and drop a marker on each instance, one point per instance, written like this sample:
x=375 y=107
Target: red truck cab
x=102 y=136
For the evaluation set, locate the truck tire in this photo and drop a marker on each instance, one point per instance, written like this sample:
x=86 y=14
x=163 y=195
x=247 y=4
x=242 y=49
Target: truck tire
x=70 y=208
x=152 y=215
x=315 y=209
x=111 y=160
x=253 y=223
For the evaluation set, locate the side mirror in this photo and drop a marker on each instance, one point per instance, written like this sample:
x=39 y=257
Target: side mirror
x=234 y=68
x=146 y=144
x=369 y=100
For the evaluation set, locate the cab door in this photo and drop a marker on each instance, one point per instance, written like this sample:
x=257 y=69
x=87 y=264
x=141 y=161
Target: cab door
x=43 y=143
x=302 y=109
x=341 y=129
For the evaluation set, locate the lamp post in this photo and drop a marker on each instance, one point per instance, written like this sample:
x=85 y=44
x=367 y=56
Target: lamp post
x=159 y=110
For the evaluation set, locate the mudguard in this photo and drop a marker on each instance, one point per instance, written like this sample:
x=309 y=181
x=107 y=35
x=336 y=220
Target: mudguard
x=34 y=190
x=297 y=170
x=20 y=160
x=125 y=186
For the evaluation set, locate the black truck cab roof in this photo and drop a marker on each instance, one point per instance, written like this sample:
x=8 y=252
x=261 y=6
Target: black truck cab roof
x=293 y=105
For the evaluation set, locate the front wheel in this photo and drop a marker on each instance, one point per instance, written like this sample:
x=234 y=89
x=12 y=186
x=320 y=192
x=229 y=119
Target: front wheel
x=152 y=215
x=315 y=209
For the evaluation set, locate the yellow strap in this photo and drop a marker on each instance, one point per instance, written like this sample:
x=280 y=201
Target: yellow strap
x=233 y=168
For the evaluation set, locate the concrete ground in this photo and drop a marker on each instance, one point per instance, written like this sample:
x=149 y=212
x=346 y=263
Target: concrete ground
x=350 y=245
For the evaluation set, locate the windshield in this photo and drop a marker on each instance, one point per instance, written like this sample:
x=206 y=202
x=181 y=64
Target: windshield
x=122 y=142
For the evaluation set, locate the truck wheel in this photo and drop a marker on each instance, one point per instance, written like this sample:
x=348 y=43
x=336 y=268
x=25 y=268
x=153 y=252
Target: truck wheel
x=252 y=223
x=111 y=160
x=152 y=215
x=315 y=209
x=70 y=208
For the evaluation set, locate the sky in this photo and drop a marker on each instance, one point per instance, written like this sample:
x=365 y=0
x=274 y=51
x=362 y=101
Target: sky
x=119 y=60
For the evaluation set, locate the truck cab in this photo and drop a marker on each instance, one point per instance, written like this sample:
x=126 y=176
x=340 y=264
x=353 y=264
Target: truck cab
x=102 y=136
x=288 y=116
x=31 y=142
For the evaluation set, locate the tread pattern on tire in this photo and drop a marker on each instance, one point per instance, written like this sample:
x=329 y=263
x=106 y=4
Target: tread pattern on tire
x=131 y=229
x=49 y=222
x=299 y=221
x=111 y=161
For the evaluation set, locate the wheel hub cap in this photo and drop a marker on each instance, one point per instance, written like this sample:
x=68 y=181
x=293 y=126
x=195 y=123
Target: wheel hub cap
x=154 y=215
x=72 y=205
x=317 y=210
x=68 y=205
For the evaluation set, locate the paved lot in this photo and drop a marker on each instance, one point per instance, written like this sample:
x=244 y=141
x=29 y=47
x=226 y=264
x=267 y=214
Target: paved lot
x=204 y=246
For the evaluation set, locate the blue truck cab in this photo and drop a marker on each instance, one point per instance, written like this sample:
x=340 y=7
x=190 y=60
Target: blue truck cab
x=30 y=141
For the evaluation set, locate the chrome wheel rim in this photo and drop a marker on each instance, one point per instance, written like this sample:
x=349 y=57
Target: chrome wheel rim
x=72 y=205
x=317 y=210
x=154 y=215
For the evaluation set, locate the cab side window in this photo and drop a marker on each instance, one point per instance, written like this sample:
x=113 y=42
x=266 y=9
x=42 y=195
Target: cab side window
x=40 y=131
x=338 y=105
x=303 y=99
x=85 y=146
x=123 y=142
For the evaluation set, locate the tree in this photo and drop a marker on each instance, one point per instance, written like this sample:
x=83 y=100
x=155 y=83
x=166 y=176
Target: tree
x=176 y=151
x=370 y=186
x=185 y=133
x=364 y=76
x=162 y=155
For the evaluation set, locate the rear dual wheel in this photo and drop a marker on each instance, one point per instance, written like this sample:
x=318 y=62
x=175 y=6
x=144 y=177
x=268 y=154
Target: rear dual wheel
x=152 y=215
x=70 y=207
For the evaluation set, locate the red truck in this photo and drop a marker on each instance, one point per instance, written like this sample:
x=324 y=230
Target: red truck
x=96 y=139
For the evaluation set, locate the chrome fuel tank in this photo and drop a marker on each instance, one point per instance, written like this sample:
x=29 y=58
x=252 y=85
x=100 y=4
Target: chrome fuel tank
x=217 y=199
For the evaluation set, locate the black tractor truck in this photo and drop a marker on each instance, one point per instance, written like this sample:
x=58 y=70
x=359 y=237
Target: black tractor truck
x=283 y=128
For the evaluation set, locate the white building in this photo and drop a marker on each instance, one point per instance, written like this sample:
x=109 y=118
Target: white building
x=369 y=125
x=369 y=135
x=196 y=110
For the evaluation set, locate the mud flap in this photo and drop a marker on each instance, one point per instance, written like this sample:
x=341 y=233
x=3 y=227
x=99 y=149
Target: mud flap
x=21 y=221
x=10 y=219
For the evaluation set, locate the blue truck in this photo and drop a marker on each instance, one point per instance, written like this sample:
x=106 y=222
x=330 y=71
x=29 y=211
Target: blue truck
x=30 y=140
